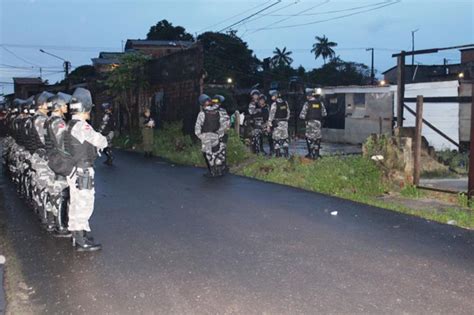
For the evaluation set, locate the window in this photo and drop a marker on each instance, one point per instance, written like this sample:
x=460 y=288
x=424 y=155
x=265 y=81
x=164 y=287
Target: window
x=359 y=99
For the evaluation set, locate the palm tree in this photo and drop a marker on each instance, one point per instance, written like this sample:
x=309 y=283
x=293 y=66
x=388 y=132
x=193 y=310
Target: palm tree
x=323 y=48
x=281 y=57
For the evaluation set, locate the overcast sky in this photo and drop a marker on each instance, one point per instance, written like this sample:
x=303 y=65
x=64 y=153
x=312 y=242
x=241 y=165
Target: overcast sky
x=77 y=30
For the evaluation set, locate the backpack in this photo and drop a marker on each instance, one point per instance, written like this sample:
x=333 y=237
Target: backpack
x=59 y=161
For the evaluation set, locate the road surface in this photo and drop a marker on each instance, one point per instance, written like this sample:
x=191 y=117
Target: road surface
x=175 y=242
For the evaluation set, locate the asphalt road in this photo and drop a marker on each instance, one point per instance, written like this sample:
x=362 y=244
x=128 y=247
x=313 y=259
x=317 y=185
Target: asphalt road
x=175 y=242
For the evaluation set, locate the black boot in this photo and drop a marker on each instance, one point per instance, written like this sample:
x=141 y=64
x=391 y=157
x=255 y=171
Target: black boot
x=110 y=157
x=62 y=218
x=209 y=172
x=308 y=145
x=272 y=147
x=83 y=242
x=286 y=151
x=50 y=222
x=278 y=152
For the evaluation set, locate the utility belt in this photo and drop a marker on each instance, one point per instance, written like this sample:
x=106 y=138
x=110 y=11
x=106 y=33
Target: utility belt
x=276 y=121
x=84 y=179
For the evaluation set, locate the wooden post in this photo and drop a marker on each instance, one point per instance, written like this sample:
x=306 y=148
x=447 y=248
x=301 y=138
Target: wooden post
x=400 y=87
x=237 y=122
x=380 y=125
x=417 y=148
x=470 y=190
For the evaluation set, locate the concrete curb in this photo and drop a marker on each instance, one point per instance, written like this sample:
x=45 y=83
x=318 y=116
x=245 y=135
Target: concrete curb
x=2 y=291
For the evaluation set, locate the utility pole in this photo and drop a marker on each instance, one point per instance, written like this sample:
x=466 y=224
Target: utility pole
x=413 y=47
x=66 y=66
x=372 y=72
x=41 y=73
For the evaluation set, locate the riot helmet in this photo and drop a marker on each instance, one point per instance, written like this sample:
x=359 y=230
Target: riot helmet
x=203 y=99
x=81 y=101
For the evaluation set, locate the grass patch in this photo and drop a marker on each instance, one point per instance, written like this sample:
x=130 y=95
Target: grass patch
x=410 y=191
x=338 y=176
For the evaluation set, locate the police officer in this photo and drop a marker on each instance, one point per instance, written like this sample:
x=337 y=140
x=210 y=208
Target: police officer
x=55 y=127
x=278 y=123
x=106 y=128
x=312 y=113
x=41 y=175
x=211 y=127
x=81 y=141
x=265 y=110
x=256 y=122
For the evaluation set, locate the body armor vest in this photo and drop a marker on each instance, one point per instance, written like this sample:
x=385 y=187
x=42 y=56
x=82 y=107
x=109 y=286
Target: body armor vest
x=34 y=139
x=84 y=153
x=314 y=110
x=281 y=110
x=211 y=121
x=49 y=143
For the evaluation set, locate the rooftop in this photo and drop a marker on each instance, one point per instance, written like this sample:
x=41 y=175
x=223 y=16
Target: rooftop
x=164 y=43
x=26 y=80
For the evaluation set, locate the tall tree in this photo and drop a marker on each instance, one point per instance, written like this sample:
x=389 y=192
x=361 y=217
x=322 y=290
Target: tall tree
x=228 y=56
x=164 y=30
x=281 y=57
x=128 y=83
x=323 y=47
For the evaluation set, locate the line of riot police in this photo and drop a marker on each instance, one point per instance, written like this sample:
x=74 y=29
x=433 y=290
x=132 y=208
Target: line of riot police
x=51 y=161
x=271 y=122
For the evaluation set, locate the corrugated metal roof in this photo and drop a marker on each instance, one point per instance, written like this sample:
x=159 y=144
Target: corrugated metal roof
x=104 y=61
x=109 y=55
x=26 y=80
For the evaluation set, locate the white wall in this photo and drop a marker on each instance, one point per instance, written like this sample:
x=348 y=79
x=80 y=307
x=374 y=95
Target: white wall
x=444 y=116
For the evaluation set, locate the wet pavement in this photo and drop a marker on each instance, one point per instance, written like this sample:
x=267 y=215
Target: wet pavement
x=175 y=242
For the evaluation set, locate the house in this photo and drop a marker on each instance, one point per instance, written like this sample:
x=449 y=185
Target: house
x=25 y=87
x=433 y=73
x=106 y=61
x=156 y=48
x=356 y=112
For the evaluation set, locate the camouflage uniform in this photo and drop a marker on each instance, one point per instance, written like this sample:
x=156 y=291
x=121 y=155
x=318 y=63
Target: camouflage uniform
x=81 y=180
x=55 y=127
x=313 y=112
x=213 y=144
x=106 y=128
x=42 y=176
x=256 y=119
x=278 y=120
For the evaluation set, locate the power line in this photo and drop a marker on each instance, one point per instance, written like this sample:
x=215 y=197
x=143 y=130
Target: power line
x=55 y=47
x=23 y=59
x=234 y=16
x=270 y=13
x=337 y=11
x=251 y=15
x=294 y=15
x=327 y=20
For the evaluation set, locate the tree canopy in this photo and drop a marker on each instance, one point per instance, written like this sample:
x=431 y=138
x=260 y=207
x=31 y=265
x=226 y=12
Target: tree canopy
x=323 y=48
x=164 y=30
x=228 y=56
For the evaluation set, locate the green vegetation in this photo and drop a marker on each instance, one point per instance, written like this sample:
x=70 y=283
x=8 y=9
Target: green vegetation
x=411 y=191
x=355 y=178
x=458 y=162
x=339 y=176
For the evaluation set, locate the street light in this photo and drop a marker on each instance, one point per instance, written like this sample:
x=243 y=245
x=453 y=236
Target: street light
x=66 y=63
x=229 y=80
